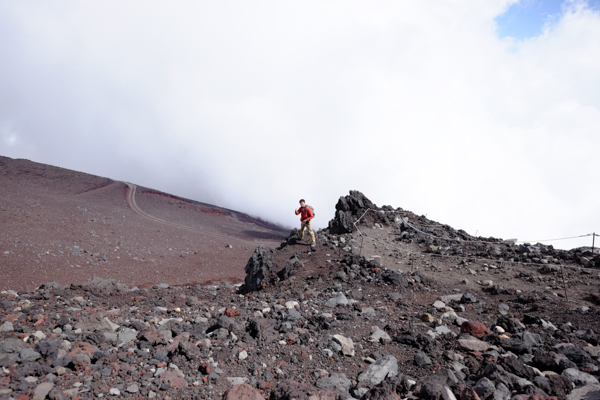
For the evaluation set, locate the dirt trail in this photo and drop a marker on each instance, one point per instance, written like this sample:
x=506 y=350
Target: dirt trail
x=132 y=203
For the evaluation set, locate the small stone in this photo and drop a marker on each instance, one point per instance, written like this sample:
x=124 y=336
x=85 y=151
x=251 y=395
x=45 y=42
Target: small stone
x=585 y=392
x=421 y=359
x=379 y=335
x=29 y=355
x=127 y=335
x=232 y=312
x=474 y=344
x=339 y=300
x=41 y=391
x=468 y=298
x=7 y=327
x=438 y=304
x=579 y=378
x=484 y=388
x=106 y=326
x=237 y=380
x=132 y=388
x=243 y=355
x=503 y=308
x=39 y=335
x=476 y=329
x=346 y=344
x=335 y=381
x=427 y=317
x=291 y=304
x=452 y=356
x=443 y=330
x=242 y=391
x=378 y=371
x=447 y=393
x=114 y=392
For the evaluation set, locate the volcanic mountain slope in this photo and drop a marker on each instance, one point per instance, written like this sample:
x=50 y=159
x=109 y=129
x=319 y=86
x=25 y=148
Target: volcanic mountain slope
x=389 y=306
x=67 y=226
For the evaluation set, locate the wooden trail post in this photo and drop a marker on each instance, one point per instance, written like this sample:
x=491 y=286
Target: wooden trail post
x=563 y=279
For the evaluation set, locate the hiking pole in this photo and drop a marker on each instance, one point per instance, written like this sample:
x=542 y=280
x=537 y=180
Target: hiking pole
x=593 y=241
x=361 y=244
x=361 y=238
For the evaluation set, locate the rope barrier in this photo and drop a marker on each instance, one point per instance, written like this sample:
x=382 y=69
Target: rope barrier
x=551 y=240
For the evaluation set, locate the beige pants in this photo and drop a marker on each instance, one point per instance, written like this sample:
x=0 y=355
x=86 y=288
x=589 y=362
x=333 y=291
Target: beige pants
x=306 y=224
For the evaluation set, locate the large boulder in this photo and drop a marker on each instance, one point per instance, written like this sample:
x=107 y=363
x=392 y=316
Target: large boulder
x=258 y=269
x=350 y=208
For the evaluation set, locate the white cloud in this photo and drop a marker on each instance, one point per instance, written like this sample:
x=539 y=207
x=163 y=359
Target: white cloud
x=253 y=106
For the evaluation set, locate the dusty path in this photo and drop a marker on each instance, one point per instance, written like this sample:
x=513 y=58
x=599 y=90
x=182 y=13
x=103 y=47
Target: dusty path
x=132 y=203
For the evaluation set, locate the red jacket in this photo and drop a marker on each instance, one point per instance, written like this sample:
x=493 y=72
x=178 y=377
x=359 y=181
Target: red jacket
x=306 y=212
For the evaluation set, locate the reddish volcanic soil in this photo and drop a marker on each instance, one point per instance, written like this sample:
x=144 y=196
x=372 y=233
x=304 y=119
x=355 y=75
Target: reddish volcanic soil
x=66 y=226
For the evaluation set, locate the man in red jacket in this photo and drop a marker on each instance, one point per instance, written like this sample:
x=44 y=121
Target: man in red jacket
x=307 y=215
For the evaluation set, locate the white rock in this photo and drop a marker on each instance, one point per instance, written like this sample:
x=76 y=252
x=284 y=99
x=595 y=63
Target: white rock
x=438 y=304
x=291 y=304
x=236 y=380
x=346 y=344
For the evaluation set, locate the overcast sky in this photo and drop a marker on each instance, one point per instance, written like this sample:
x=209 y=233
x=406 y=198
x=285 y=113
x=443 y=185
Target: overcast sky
x=484 y=115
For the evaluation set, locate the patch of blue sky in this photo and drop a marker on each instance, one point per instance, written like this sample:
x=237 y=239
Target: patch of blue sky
x=527 y=18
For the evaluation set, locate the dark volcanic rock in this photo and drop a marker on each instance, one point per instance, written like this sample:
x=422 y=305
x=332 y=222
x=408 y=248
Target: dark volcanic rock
x=396 y=279
x=289 y=389
x=350 y=208
x=258 y=269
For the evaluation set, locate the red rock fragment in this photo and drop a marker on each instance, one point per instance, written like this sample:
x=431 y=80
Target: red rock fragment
x=242 y=392
x=476 y=329
x=232 y=312
x=174 y=378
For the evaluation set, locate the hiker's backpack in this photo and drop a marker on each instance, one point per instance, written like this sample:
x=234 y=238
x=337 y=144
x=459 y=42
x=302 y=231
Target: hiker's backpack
x=311 y=209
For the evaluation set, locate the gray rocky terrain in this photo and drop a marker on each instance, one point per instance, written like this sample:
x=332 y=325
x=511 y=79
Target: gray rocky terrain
x=393 y=306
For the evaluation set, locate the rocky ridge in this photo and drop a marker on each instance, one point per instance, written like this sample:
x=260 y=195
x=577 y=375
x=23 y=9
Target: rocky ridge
x=325 y=324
